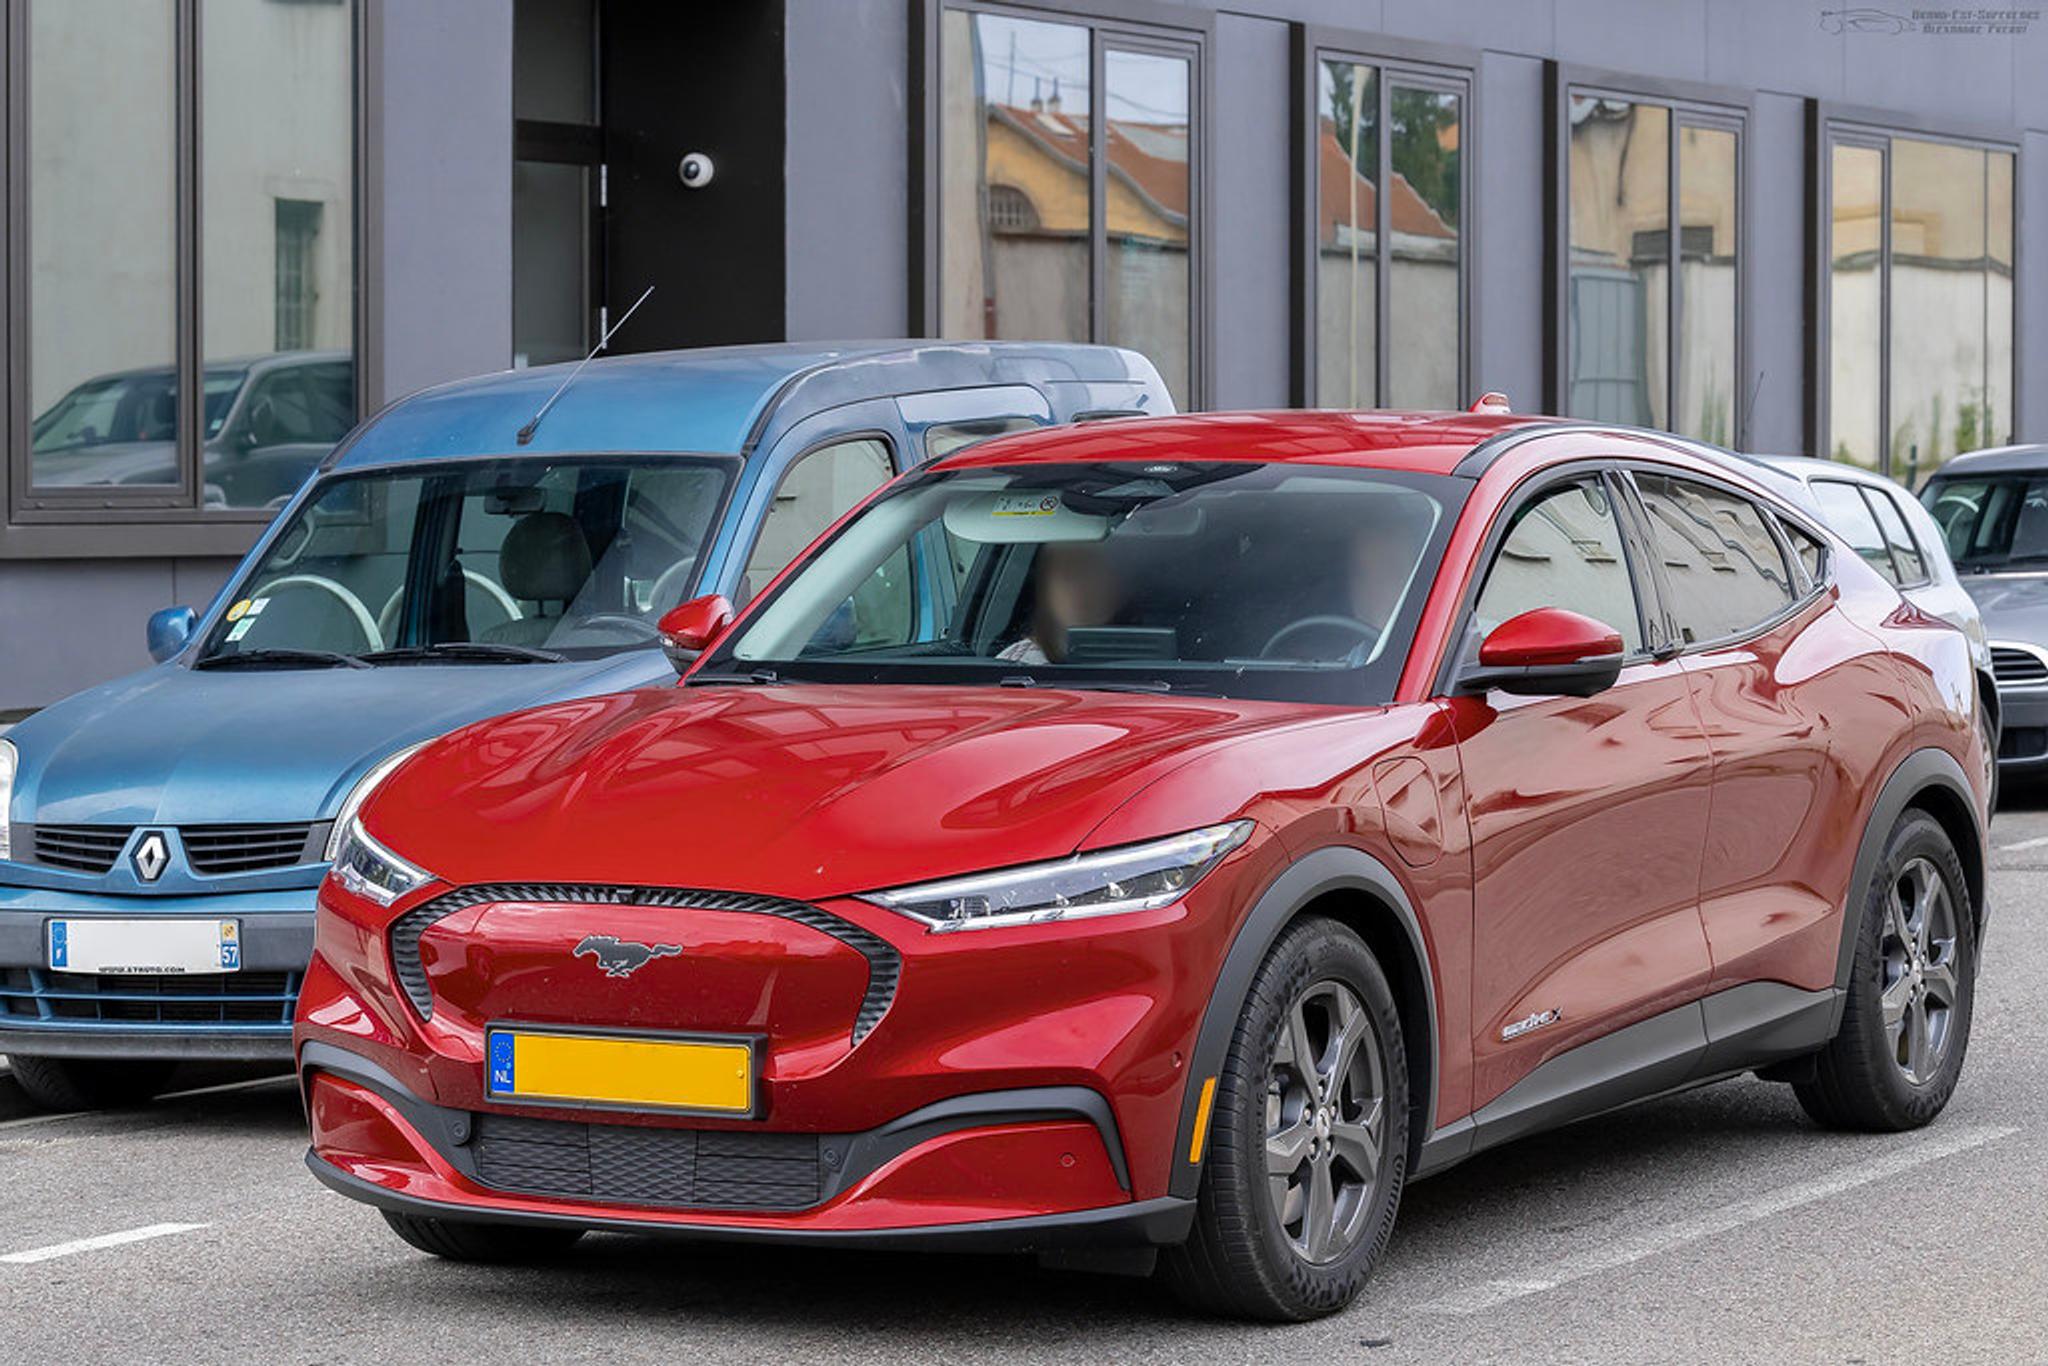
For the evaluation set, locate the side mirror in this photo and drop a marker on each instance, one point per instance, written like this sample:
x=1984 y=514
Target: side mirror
x=691 y=629
x=168 y=631
x=1547 y=652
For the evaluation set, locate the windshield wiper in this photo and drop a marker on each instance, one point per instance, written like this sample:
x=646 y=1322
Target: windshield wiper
x=1147 y=685
x=475 y=651
x=303 y=659
x=763 y=677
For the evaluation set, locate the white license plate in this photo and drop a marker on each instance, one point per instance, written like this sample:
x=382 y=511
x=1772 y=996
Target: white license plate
x=145 y=947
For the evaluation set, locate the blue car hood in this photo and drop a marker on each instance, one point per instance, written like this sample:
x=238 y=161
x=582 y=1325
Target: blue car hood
x=179 y=746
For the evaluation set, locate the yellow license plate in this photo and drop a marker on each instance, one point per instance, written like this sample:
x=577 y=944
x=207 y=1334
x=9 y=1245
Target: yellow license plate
x=712 y=1076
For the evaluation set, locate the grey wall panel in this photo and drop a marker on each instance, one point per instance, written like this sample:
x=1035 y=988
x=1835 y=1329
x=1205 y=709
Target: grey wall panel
x=2032 y=212
x=444 y=197
x=1526 y=27
x=1937 y=75
x=848 y=196
x=1776 y=45
x=1775 y=291
x=1655 y=37
x=1250 y=234
x=71 y=623
x=1508 y=231
x=195 y=581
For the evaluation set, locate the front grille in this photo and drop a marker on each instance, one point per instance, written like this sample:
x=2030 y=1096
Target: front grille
x=626 y=1164
x=216 y=849
x=885 y=965
x=2013 y=667
x=80 y=848
x=228 y=998
x=2022 y=742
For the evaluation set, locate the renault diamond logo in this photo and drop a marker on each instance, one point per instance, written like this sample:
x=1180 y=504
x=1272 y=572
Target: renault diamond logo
x=151 y=856
x=622 y=957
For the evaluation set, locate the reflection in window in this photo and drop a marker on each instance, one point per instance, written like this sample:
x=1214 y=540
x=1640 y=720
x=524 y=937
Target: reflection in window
x=1723 y=570
x=1347 y=247
x=1411 y=284
x=1014 y=115
x=1620 y=262
x=1921 y=291
x=277 y=101
x=1706 y=282
x=1564 y=550
x=1147 y=188
x=1022 y=135
x=1855 y=350
x=815 y=492
x=102 y=257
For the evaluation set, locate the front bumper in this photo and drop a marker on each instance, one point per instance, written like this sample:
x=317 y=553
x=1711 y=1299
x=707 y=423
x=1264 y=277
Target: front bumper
x=1014 y=1171
x=243 y=1016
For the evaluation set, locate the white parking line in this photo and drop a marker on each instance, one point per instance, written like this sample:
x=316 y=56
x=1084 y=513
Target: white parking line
x=104 y=1240
x=2034 y=843
x=1628 y=1251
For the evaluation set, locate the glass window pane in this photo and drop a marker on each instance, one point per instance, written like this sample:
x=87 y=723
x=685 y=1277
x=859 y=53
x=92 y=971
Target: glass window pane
x=1707 y=247
x=1846 y=512
x=1564 y=550
x=815 y=492
x=1424 y=129
x=1347 y=244
x=551 y=307
x=1998 y=301
x=1723 y=567
x=1014 y=135
x=1907 y=555
x=1620 y=258
x=1146 y=141
x=554 y=61
x=102 y=268
x=1939 y=394
x=1855 y=251
x=278 y=243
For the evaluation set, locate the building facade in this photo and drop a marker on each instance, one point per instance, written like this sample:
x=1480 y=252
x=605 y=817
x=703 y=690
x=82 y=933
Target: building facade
x=233 y=227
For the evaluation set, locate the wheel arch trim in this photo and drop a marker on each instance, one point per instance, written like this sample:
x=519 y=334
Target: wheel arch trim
x=1332 y=869
x=1921 y=774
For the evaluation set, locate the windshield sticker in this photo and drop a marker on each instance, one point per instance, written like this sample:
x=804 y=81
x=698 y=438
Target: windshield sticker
x=256 y=607
x=241 y=628
x=235 y=613
x=1026 y=505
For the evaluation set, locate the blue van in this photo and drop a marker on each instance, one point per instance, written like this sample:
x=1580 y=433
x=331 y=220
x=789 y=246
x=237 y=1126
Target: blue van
x=162 y=836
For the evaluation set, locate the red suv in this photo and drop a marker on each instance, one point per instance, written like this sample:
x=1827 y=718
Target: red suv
x=1165 y=838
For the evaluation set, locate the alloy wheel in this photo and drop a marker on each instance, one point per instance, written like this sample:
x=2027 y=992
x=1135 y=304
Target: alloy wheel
x=1325 y=1121
x=1919 y=986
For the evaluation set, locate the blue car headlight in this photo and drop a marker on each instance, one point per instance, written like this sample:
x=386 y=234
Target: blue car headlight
x=370 y=870
x=1136 y=877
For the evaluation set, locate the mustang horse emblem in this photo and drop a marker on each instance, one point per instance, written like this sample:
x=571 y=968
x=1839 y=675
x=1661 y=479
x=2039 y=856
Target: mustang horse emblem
x=623 y=958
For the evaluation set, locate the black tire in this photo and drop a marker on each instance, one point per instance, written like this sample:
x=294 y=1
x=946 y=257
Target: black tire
x=491 y=1244
x=90 y=1083
x=1988 y=728
x=1241 y=1259
x=1867 y=1078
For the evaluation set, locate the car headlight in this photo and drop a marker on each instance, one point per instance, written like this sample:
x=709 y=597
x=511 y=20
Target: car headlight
x=1137 y=877
x=8 y=759
x=370 y=870
x=360 y=793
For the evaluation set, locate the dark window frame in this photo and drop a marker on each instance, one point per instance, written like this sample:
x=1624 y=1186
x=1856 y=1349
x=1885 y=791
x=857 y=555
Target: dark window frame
x=158 y=520
x=1829 y=123
x=1414 y=65
x=1153 y=27
x=1691 y=105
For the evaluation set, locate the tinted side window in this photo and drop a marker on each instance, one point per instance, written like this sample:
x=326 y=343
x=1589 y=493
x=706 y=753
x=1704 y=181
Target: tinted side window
x=1905 y=551
x=814 y=493
x=1844 y=509
x=1809 y=549
x=1724 y=568
x=1563 y=549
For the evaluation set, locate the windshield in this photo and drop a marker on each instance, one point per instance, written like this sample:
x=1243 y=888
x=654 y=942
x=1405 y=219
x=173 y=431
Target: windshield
x=564 y=556
x=1284 y=581
x=1991 y=521
x=138 y=407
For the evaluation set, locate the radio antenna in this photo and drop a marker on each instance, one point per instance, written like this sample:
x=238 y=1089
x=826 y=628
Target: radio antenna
x=533 y=423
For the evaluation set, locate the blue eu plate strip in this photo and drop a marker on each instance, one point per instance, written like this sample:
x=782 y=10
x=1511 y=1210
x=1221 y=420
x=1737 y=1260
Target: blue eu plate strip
x=501 y=1065
x=60 y=947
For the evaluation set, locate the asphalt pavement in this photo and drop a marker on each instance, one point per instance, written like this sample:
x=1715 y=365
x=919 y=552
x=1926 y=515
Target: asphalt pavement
x=1714 y=1226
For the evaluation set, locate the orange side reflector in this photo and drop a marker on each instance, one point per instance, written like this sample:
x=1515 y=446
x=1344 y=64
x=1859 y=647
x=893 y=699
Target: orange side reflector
x=1202 y=1109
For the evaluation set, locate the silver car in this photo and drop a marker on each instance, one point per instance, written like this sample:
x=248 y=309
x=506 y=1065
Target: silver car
x=1895 y=535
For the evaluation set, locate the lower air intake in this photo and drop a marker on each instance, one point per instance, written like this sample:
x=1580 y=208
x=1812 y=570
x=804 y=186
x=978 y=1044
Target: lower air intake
x=631 y=1165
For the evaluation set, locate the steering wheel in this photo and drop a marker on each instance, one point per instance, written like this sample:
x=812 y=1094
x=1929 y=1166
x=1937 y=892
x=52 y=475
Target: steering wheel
x=372 y=637
x=1323 y=621
x=663 y=595
x=387 y=616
